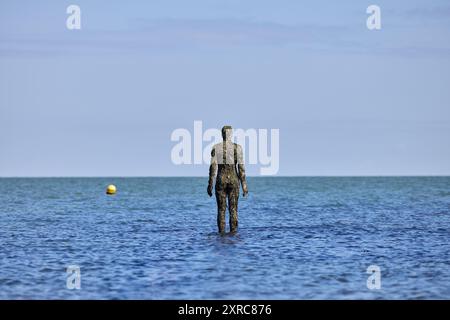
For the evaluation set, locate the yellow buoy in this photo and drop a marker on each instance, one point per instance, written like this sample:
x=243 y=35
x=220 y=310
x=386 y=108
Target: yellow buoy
x=111 y=189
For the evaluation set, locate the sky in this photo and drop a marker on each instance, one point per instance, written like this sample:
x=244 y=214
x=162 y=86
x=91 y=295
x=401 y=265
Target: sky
x=105 y=99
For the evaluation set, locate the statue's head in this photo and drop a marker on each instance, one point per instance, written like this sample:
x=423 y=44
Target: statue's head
x=227 y=133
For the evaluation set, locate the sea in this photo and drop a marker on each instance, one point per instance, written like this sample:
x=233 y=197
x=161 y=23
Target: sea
x=156 y=238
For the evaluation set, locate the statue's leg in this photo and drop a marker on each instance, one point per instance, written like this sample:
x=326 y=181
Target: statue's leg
x=233 y=197
x=221 y=197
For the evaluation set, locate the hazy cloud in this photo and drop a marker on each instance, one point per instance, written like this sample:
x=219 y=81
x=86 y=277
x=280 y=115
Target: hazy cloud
x=147 y=36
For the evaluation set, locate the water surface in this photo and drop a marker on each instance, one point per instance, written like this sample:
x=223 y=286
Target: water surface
x=299 y=238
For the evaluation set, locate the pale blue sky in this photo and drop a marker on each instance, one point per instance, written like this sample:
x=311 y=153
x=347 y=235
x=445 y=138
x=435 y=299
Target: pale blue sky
x=103 y=101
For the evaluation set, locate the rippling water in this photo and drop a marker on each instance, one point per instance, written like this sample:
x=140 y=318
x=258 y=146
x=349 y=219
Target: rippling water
x=299 y=238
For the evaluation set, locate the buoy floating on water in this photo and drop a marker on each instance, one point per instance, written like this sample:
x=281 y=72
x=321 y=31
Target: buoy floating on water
x=111 y=189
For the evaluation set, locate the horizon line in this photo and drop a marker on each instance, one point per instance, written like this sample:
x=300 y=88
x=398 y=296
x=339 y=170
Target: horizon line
x=249 y=176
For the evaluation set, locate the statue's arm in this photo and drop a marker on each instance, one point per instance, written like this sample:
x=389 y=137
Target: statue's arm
x=241 y=170
x=212 y=171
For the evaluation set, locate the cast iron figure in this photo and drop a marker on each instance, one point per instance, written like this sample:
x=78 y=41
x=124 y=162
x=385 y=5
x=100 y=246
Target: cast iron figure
x=227 y=162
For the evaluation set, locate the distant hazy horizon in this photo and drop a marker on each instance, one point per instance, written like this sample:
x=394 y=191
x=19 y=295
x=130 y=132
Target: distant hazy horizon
x=206 y=177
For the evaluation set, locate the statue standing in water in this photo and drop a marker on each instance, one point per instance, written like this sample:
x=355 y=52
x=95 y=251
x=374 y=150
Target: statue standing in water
x=227 y=157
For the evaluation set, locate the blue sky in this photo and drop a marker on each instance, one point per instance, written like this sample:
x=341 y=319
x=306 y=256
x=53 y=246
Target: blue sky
x=103 y=100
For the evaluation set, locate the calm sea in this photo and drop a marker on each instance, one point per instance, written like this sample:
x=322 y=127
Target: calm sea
x=299 y=238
